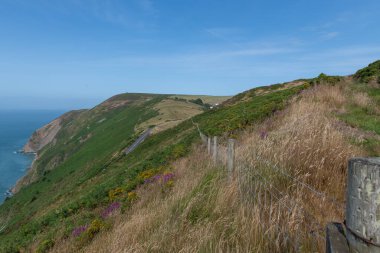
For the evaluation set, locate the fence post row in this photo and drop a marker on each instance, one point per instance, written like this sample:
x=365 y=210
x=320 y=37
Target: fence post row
x=209 y=145
x=362 y=233
x=215 y=150
x=231 y=157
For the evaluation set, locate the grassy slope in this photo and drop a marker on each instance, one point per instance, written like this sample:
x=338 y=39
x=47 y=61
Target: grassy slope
x=74 y=193
x=71 y=194
x=34 y=206
x=363 y=110
x=203 y=213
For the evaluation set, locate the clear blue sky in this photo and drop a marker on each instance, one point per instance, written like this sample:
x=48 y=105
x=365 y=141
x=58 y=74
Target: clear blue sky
x=66 y=54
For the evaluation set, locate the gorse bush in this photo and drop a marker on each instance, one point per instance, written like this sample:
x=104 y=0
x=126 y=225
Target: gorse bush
x=132 y=197
x=116 y=193
x=325 y=79
x=92 y=230
x=372 y=72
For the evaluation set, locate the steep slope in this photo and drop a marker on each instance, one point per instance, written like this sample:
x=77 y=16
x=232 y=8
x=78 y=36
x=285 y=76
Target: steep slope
x=43 y=136
x=204 y=212
x=198 y=210
x=83 y=179
x=76 y=174
x=64 y=178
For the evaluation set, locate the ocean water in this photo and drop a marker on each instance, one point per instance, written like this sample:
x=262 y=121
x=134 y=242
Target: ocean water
x=15 y=129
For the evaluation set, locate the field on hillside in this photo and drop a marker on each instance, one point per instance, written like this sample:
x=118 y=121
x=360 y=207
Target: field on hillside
x=212 y=100
x=171 y=112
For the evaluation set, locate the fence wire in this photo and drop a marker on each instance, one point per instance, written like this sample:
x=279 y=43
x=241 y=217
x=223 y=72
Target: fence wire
x=292 y=225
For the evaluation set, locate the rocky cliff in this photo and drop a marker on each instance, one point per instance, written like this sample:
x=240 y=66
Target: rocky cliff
x=43 y=136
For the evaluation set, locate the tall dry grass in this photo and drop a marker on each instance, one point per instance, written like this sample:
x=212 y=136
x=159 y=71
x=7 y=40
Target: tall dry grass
x=303 y=155
x=304 y=140
x=364 y=101
x=260 y=210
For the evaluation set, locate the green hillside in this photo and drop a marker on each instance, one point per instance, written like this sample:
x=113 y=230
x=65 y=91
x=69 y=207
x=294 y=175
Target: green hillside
x=71 y=193
x=85 y=170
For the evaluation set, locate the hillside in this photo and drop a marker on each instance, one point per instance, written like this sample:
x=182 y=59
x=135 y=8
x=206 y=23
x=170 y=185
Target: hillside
x=312 y=138
x=74 y=153
x=85 y=194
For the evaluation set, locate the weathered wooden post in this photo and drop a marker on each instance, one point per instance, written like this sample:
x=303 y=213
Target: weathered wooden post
x=363 y=205
x=231 y=157
x=215 y=150
x=209 y=145
x=203 y=138
x=336 y=241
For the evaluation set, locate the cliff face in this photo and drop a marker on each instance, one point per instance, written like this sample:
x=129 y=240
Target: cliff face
x=38 y=141
x=43 y=136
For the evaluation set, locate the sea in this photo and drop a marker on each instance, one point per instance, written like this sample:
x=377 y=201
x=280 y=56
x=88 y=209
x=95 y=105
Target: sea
x=16 y=126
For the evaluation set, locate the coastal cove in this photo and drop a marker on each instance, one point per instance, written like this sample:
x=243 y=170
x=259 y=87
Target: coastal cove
x=17 y=126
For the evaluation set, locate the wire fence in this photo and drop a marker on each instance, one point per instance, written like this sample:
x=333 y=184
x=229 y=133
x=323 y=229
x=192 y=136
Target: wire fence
x=293 y=214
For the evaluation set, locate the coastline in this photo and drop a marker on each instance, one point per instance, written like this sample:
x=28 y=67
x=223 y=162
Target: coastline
x=23 y=134
x=15 y=188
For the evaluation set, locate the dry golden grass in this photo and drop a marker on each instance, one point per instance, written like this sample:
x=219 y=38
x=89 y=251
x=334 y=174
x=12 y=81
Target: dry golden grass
x=171 y=113
x=304 y=144
x=362 y=99
x=260 y=210
x=304 y=138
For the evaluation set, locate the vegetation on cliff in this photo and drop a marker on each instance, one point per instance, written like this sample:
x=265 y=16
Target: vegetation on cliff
x=87 y=195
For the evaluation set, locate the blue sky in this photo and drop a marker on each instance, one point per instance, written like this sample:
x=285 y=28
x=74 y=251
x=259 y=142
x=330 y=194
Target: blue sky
x=67 y=54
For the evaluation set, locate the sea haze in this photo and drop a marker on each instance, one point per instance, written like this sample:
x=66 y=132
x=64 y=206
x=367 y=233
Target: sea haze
x=15 y=129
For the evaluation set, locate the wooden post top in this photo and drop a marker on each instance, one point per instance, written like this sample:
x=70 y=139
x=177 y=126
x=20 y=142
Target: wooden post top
x=363 y=202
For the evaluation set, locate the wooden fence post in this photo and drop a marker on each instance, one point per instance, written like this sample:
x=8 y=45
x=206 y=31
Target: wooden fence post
x=215 y=150
x=363 y=205
x=231 y=157
x=336 y=241
x=209 y=145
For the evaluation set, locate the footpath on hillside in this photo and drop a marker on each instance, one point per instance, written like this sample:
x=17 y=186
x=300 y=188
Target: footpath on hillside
x=140 y=140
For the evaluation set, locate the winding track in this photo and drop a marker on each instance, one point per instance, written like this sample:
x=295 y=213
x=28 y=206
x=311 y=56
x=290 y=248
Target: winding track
x=142 y=138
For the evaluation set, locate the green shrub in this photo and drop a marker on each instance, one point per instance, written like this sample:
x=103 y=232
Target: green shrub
x=325 y=79
x=372 y=72
x=11 y=249
x=197 y=101
x=178 y=151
